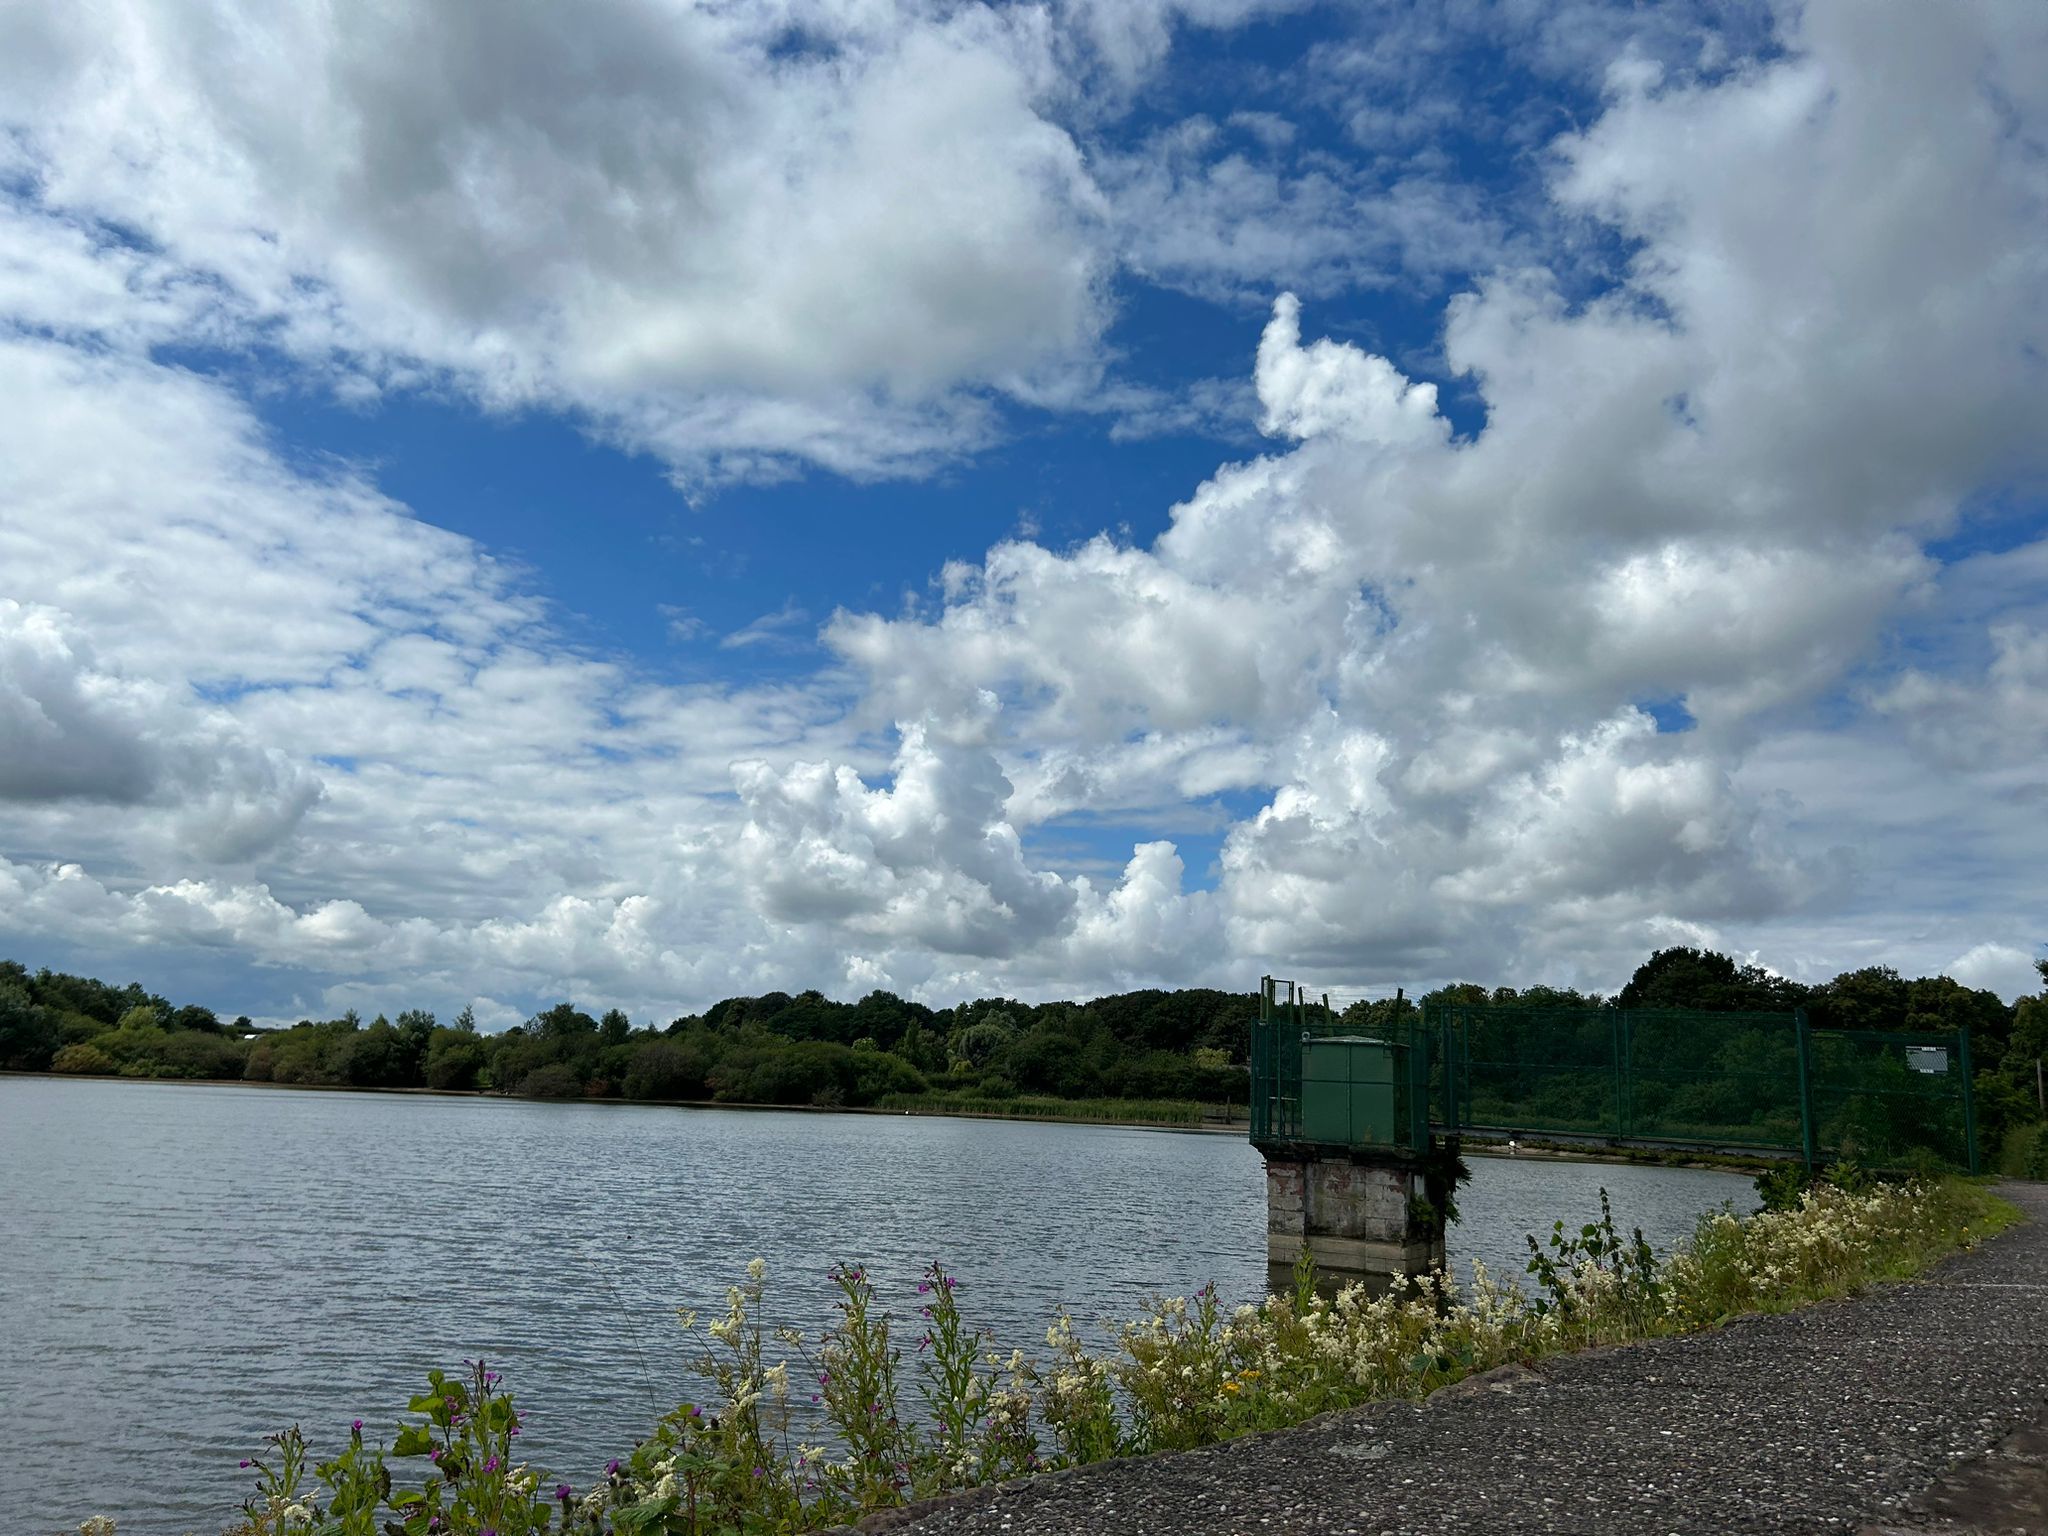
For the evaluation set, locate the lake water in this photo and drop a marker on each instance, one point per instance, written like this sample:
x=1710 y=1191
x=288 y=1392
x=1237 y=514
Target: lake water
x=187 y=1268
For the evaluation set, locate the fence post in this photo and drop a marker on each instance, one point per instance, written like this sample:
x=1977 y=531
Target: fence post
x=1454 y=1111
x=1620 y=1115
x=1628 y=1073
x=1806 y=1147
x=1969 y=1102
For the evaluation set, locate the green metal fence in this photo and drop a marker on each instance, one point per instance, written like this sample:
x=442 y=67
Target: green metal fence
x=1767 y=1082
x=1720 y=1079
x=1761 y=1081
x=1880 y=1098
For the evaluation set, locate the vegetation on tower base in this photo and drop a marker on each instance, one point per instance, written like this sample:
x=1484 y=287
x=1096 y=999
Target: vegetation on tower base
x=838 y=1427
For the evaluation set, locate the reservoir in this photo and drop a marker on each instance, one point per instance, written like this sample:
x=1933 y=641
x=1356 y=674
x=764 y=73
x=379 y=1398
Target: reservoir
x=187 y=1268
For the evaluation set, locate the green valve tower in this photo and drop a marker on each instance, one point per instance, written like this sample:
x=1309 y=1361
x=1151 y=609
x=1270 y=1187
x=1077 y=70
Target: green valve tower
x=1341 y=1116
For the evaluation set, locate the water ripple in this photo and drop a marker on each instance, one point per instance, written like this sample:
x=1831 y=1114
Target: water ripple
x=190 y=1267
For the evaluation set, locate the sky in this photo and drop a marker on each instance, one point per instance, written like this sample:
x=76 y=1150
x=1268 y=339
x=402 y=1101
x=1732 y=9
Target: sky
x=647 y=502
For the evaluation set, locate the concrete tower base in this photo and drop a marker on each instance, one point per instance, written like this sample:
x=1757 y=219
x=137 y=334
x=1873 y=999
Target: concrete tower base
x=1364 y=1219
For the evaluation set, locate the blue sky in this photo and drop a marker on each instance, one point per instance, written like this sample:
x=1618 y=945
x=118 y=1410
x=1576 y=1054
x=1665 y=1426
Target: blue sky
x=1023 y=500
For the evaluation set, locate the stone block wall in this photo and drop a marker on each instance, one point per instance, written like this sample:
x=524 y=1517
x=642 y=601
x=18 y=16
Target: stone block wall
x=1356 y=1215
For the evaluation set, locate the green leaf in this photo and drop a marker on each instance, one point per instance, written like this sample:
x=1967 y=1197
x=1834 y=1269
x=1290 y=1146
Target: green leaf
x=413 y=1440
x=635 y=1518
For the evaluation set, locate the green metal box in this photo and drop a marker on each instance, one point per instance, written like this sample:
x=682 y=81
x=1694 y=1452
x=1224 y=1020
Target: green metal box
x=1350 y=1091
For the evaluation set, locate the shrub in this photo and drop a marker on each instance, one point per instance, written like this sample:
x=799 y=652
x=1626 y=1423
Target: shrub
x=192 y=1054
x=554 y=1081
x=665 y=1069
x=84 y=1058
x=2025 y=1154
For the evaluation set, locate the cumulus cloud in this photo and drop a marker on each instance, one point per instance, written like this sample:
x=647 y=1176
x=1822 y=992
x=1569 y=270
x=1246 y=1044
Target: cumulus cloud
x=664 y=219
x=1329 y=387
x=70 y=730
x=929 y=861
x=2000 y=968
x=66 y=729
x=1415 y=674
x=1665 y=504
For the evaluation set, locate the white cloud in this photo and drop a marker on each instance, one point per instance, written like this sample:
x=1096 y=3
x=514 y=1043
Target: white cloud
x=643 y=214
x=779 y=630
x=1998 y=720
x=71 y=731
x=1329 y=387
x=931 y=861
x=1411 y=662
x=1231 y=212
x=1999 y=968
x=1667 y=502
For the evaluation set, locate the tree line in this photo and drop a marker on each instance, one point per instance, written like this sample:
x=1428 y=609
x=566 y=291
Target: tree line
x=806 y=1048
x=771 y=1049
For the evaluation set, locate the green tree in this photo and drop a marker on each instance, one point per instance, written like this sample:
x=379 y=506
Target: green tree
x=1704 y=979
x=29 y=1034
x=667 y=1069
x=564 y=1021
x=415 y=1038
x=1875 y=997
x=455 y=1059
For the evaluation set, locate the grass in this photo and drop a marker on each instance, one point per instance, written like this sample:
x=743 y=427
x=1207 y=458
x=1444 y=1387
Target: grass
x=2025 y=1153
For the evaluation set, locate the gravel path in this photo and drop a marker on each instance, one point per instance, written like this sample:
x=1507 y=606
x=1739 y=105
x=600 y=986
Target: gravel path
x=1916 y=1408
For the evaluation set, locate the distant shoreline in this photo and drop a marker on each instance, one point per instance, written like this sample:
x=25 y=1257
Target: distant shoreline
x=1532 y=1152
x=1233 y=1128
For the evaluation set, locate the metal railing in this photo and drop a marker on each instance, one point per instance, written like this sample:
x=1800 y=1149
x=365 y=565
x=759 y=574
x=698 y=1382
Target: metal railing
x=1765 y=1082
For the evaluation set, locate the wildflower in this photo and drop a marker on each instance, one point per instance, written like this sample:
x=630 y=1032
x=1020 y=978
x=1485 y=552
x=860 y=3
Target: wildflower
x=757 y=1269
x=611 y=1467
x=687 y=1316
x=563 y=1492
x=356 y=1427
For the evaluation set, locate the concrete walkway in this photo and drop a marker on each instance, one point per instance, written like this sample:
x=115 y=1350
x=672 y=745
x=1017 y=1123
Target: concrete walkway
x=1916 y=1408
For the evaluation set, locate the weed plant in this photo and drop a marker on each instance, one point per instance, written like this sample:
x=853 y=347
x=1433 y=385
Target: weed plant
x=766 y=1454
